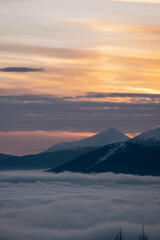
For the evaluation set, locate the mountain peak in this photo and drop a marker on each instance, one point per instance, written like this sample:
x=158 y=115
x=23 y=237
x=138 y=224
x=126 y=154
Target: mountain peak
x=110 y=131
x=148 y=138
x=106 y=137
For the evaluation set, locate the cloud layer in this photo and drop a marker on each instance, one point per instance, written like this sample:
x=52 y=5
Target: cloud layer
x=92 y=112
x=66 y=206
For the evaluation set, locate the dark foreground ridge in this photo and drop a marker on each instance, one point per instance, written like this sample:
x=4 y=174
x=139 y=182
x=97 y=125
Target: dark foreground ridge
x=40 y=161
x=125 y=158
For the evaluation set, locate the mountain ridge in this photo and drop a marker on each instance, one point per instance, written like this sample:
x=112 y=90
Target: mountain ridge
x=128 y=158
x=148 y=138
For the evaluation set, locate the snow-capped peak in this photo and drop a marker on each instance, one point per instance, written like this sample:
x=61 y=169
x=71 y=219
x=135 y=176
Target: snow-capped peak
x=103 y=138
x=148 y=138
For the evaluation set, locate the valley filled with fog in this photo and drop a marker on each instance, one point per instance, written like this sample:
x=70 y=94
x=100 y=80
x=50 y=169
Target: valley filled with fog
x=40 y=205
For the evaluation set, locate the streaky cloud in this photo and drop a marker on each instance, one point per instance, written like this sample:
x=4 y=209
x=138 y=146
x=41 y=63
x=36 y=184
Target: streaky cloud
x=46 y=112
x=116 y=94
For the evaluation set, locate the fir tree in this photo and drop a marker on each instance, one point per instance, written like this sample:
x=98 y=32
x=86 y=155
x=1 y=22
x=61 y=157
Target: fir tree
x=143 y=236
x=119 y=236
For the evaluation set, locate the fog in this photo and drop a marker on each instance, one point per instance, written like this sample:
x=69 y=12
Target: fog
x=44 y=206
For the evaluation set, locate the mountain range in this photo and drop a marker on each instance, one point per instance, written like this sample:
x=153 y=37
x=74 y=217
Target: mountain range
x=61 y=153
x=109 y=150
x=139 y=155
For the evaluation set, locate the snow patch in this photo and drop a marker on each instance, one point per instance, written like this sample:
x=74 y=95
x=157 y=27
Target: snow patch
x=109 y=153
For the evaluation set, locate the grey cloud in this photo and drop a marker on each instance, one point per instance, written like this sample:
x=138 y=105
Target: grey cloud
x=21 y=69
x=42 y=112
x=122 y=95
x=66 y=206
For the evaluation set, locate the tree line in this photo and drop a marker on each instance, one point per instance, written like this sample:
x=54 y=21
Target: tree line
x=142 y=236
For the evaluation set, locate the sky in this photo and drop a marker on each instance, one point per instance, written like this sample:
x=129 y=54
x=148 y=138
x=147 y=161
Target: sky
x=72 y=68
x=77 y=206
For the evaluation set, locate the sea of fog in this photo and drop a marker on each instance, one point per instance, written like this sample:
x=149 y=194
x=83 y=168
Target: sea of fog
x=45 y=206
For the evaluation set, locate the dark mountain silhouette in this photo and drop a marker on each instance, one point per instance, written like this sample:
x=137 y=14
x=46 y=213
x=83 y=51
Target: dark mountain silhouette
x=126 y=158
x=4 y=156
x=40 y=161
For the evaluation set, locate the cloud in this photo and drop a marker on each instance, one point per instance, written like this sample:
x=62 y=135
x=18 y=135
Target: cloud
x=21 y=69
x=122 y=95
x=44 y=112
x=39 y=205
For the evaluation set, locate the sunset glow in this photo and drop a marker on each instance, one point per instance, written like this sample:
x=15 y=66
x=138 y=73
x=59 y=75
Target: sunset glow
x=52 y=61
